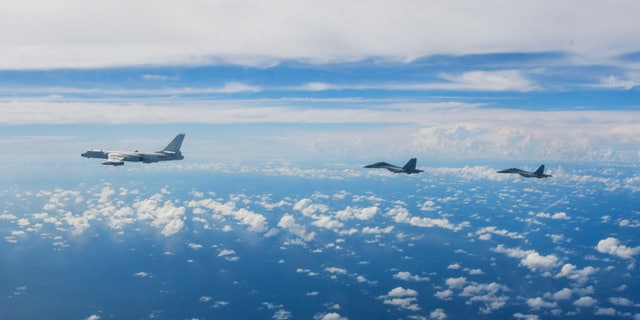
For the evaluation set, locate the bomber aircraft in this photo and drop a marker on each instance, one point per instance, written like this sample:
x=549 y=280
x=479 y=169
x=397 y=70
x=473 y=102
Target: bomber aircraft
x=539 y=173
x=117 y=158
x=408 y=168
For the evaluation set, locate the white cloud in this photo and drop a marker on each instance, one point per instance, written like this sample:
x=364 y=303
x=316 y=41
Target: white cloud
x=476 y=272
x=453 y=266
x=617 y=82
x=235 y=87
x=329 y=316
x=308 y=208
x=485 y=233
x=555 y=216
x=377 y=230
x=255 y=221
x=162 y=214
x=580 y=275
x=281 y=314
x=327 y=223
x=563 y=294
x=585 y=302
x=605 y=312
x=620 y=301
x=519 y=315
x=336 y=270
x=613 y=247
x=451 y=130
x=487 y=294
x=401 y=215
x=530 y=258
x=444 y=295
x=407 y=276
x=226 y=252
x=438 y=314
x=402 y=298
x=506 y=80
x=288 y=222
x=357 y=213
x=538 y=303
x=456 y=283
x=191 y=33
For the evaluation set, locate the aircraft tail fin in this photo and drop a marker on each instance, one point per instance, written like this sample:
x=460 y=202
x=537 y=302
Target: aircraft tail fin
x=175 y=144
x=540 y=170
x=411 y=165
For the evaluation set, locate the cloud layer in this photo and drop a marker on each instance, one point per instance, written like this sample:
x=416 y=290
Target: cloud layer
x=263 y=32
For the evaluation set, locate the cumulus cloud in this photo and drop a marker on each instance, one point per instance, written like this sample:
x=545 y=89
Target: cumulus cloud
x=585 y=302
x=529 y=258
x=308 y=208
x=555 y=216
x=438 y=314
x=288 y=222
x=613 y=247
x=620 y=301
x=402 y=298
x=538 y=303
x=444 y=295
x=486 y=232
x=407 y=276
x=256 y=222
x=163 y=214
x=488 y=294
x=357 y=213
x=456 y=283
x=580 y=275
x=336 y=270
x=605 y=312
x=401 y=215
x=377 y=230
x=563 y=294
x=329 y=316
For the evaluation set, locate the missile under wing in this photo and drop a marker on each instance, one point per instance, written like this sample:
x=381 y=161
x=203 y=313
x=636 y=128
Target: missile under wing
x=408 y=168
x=117 y=158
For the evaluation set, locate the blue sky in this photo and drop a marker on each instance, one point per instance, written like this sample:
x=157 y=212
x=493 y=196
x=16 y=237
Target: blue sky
x=530 y=80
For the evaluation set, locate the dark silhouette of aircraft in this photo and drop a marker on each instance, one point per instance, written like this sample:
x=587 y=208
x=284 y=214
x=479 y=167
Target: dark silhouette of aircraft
x=408 y=168
x=539 y=173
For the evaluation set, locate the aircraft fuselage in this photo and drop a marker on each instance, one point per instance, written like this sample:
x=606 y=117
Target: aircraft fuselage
x=117 y=158
x=132 y=156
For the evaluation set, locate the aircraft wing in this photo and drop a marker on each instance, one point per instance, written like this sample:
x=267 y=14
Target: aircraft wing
x=513 y=170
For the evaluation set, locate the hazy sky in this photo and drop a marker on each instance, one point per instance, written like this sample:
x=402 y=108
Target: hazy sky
x=529 y=80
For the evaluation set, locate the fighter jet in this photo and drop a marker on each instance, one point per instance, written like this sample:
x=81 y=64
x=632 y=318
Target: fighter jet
x=408 y=168
x=539 y=173
x=117 y=158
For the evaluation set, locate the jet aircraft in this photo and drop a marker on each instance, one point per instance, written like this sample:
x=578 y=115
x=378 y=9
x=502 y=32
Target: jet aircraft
x=539 y=173
x=117 y=158
x=408 y=168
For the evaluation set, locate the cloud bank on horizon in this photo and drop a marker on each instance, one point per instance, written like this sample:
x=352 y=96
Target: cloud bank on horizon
x=526 y=79
x=76 y=34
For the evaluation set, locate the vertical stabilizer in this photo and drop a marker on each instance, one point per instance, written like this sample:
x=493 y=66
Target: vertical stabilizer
x=411 y=165
x=539 y=171
x=175 y=144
